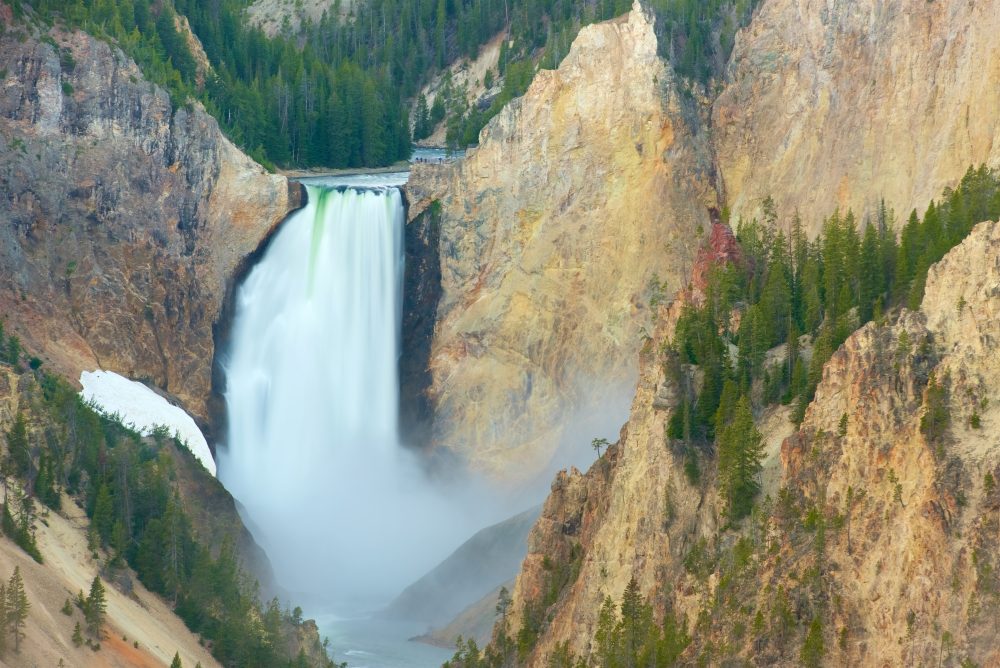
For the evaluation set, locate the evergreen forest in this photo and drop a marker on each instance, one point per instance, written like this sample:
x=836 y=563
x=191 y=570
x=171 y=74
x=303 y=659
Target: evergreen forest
x=339 y=93
x=129 y=486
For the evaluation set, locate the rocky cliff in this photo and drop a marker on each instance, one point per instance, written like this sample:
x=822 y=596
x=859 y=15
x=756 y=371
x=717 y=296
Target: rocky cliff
x=876 y=533
x=283 y=17
x=550 y=232
x=839 y=104
x=123 y=218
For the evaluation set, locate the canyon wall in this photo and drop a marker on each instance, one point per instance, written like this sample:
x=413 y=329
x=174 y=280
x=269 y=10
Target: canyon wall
x=578 y=194
x=876 y=528
x=123 y=219
x=832 y=104
x=871 y=530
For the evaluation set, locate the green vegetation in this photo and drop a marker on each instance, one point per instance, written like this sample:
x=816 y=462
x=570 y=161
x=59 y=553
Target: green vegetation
x=740 y=455
x=128 y=486
x=14 y=607
x=95 y=607
x=284 y=104
x=812 y=648
x=337 y=93
x=936 y=418
x=787 y=286
x=696 y=37
x=17 y=523
x=627 y=635
x=558 y=576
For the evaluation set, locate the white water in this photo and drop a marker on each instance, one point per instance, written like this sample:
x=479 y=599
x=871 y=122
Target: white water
x=345 y=513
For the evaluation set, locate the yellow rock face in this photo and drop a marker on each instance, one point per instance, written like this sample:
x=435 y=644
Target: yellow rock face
x=551 y=230
x=840 y=104
x=911 y=552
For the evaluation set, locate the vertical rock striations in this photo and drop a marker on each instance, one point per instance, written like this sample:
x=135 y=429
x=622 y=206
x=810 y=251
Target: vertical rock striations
x=882 y=524
x=122 y=218
x=579 y=192
x=839 y=104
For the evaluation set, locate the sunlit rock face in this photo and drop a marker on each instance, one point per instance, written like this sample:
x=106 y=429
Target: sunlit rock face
x=550 y=232
x=123 y=220
x=841 y=104
x=915 y=518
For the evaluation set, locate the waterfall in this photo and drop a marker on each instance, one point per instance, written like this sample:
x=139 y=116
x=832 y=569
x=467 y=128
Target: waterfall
x=313 y=452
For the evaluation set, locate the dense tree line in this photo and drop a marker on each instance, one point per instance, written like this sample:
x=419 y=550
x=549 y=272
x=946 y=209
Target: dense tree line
x=129 y=488
x=284 y=103
x=695 y=36
x=336 y=94
x=790 y=291
x=627 y=635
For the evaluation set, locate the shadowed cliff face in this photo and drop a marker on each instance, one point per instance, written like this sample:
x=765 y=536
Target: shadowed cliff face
x=550 y=233
x=839 y=104
x=122 y=220
x=421 y=295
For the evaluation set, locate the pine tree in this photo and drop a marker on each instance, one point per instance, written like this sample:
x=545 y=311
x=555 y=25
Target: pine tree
x=103 y=518
x=119 y=541
x=936 y=418
x=176 y=663
x=421 y=125
x=673 y=641
x=775 y=303
x=727 y=405
x=45 y=488
x=13 y=352
x=907 y=255
x=19 y=453
x=812 y=649
x=607 y=635
x=17 y=607
x=916 y=292
x=95 y=608
x=812 y=299
x=636 y=621
x=77 y=635
x=871 y=273
x=741 y=451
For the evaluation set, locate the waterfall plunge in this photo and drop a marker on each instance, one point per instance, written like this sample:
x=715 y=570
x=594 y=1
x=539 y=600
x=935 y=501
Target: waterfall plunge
x=313 y=452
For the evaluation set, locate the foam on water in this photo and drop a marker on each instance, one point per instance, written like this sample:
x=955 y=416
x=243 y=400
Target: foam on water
x=313 y=452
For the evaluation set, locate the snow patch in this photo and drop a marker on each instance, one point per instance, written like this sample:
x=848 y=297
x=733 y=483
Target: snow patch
x=144 y=409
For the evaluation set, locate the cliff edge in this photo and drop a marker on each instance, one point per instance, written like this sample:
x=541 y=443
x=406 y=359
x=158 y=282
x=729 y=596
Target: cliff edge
x=579 y=193
x=123 y=219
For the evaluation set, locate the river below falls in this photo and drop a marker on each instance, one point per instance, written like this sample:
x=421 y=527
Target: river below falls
x=378 y=643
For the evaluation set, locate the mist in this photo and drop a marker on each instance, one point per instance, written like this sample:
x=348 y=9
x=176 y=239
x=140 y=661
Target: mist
x=600 y=412
x=346 y=514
